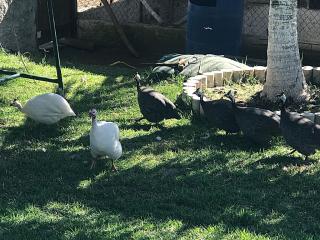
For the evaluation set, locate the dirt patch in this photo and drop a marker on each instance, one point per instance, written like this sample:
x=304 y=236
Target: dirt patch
x=85 y=4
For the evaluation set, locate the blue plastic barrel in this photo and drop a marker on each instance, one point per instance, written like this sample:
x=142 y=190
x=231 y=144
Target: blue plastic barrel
x=214 y=26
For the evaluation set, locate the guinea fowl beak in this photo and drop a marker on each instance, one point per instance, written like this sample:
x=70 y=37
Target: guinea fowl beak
x=227 y=94
x=12 y=103
x=137 y=77
x=279 y=95
x=230 y=95
x=282 y=98
x=93 y=113
x=198 y=92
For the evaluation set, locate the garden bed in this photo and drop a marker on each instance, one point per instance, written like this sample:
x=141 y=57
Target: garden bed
x=248 y=84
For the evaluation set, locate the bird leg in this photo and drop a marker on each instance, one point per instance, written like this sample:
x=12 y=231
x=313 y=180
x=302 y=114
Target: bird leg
x=292 y=152
x=93 y=163
x=159 y=125
x=206 y=135
x=138 y=119
x=306 y=158
x=113 y=167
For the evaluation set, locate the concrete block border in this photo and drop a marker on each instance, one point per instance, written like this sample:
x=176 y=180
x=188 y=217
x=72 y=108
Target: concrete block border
x=217 y=79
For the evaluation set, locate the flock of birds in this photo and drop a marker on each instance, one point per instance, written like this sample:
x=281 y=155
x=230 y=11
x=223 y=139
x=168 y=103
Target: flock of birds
x=260 y=125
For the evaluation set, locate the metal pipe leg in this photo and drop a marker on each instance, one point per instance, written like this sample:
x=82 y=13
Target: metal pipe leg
x=55 y=43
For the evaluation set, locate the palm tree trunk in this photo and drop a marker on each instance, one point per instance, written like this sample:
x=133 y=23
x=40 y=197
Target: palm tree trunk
x=284 y=66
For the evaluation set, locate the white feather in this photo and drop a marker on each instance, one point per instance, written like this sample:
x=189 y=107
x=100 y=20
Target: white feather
x=47 y=108
x=104 y=140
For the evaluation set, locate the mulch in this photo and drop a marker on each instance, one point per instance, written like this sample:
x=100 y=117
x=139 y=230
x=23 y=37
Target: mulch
x=88 y=3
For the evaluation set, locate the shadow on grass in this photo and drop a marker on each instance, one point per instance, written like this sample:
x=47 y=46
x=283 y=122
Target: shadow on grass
x=199 y=185
x=96 y=61
x=284 y=161
x=199 y=190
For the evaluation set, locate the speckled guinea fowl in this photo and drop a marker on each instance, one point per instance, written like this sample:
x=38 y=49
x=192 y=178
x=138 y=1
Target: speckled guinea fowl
x=219 y=113
x=260 y=125
x=299 y=132
x=154 y=106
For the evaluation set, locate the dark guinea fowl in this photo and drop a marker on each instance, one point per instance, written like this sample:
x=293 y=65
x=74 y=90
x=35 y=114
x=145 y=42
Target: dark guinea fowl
x=154 y=106
x=299 y=132
x=260 y=125
x=219 y=113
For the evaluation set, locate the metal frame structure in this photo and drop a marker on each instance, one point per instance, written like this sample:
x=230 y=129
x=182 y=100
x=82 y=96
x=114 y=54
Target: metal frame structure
x=13 y=75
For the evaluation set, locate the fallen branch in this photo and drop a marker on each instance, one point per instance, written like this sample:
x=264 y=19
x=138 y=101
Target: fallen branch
x=119 y=29
x=151 y=11
x=181 y=21
x=121 y=62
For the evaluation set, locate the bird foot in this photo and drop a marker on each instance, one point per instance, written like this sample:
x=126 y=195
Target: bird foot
x=292 y=152
x=93 y=164
x=138 y=119
x=113 y=168
x=161 y=127
x=205 y=136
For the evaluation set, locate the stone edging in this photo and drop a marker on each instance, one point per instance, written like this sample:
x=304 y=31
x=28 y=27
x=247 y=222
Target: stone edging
x=217 y=79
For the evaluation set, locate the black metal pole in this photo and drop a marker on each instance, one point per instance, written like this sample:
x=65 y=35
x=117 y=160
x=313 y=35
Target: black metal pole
x=74 y=7
x=13 y=75
x=10 y=77
x=55 y=42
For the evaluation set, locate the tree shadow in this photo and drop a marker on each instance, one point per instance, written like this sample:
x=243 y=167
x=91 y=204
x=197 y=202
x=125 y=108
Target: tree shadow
x=202 y=187
x=234 y=199
x=238 y=200
x=199 y=190
x=285 y=160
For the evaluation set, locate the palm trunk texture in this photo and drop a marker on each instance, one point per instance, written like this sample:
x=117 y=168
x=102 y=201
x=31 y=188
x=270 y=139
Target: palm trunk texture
x=284 y=65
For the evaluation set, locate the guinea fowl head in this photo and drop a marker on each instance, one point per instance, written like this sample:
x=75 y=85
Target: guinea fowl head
x=16 y=103
x=230 y=95
x=282 y=97
x=137 y=78
x=93 y=113
x=198 y=92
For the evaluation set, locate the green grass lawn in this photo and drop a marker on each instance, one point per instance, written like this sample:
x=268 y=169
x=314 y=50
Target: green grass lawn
x=183 y=187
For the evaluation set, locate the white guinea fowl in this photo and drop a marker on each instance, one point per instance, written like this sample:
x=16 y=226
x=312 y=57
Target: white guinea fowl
x=47 y=108
x=104 y=140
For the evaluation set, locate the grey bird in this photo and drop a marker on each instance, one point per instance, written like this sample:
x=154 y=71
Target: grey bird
x=219 y=113
x=299 y=132
x=258 y=124
x=154 y=106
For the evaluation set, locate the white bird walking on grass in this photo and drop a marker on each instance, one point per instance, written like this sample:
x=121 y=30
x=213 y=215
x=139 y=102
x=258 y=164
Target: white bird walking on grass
x=46 y=108
x=104 y=140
